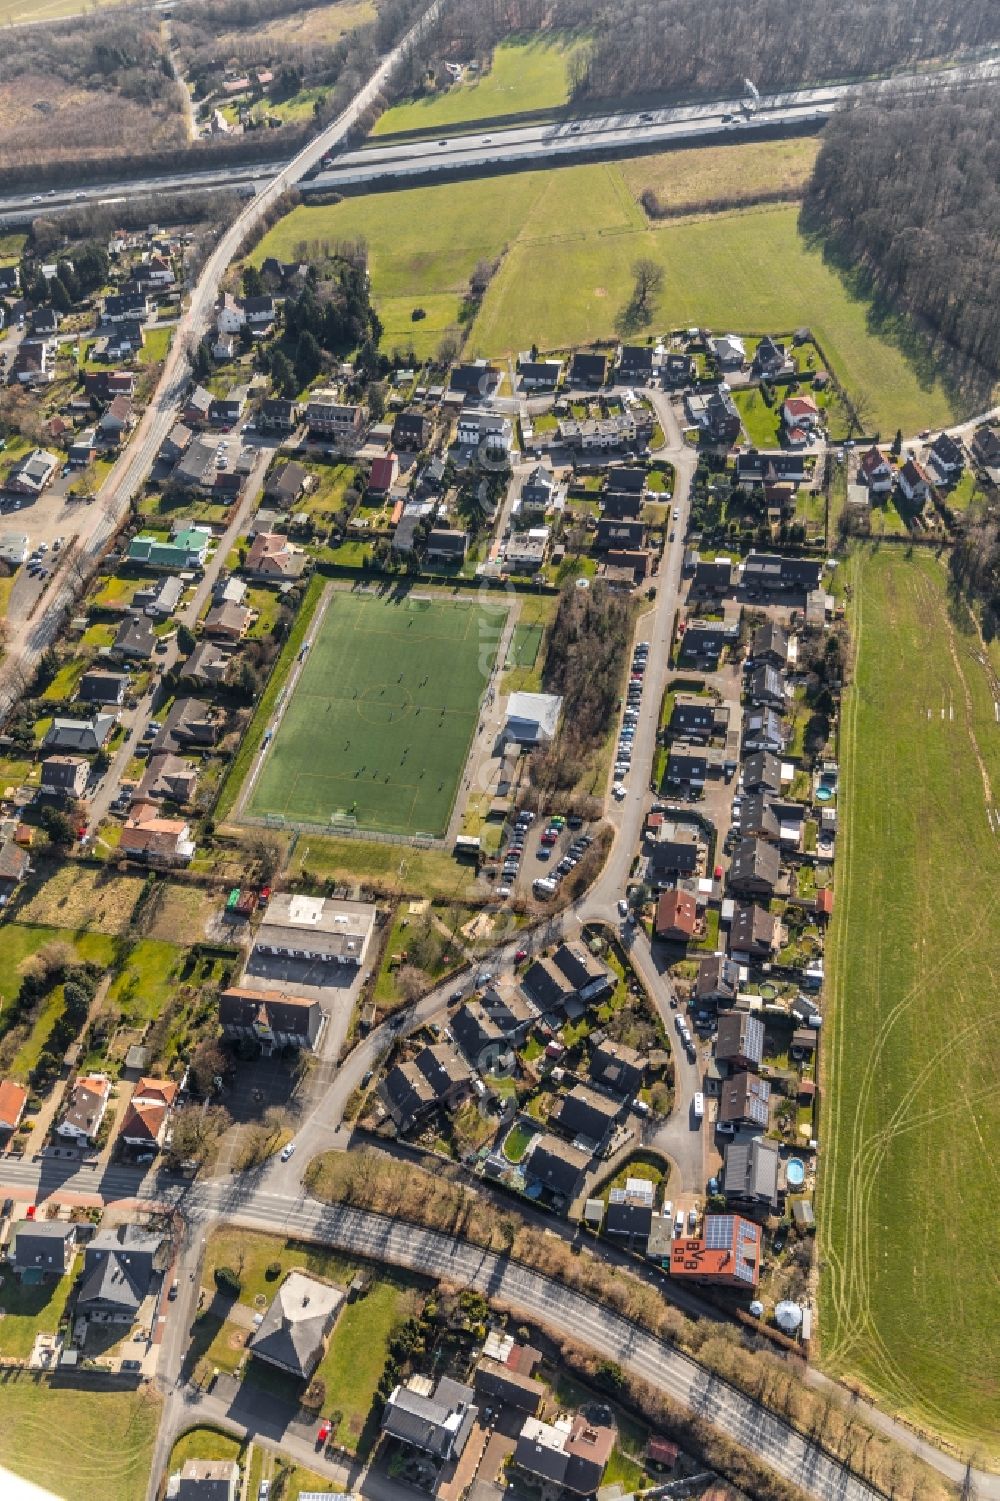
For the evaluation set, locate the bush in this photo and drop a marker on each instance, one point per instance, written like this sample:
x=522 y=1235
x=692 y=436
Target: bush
x=272 y=1271
x=228 y=1282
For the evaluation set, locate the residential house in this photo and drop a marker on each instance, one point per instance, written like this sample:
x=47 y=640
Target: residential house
x=293 y=1332
x=445 y=545
x=175 y=443
x=755 y=868
x=555 y=1166
x=15 y=865
x=161 y=599
x=153 y=840
x=693 y=717
x=617 y=1067
x=619 y=534
x=762 y=731
x=437 y=1420
x=320 y=929
x=774 y=573
x=190 y=723
x=769 y=466
x=478 y=379
x=169 y=778
x=229 y=590
x=205 y=1480
x=503 y=1384
x=126 y=307
x=43 y=1248
x=718 y=981
x=104 y=385
x=82 y=449
x=754 y=931
x=272 y=556
x=135 y=638
x=412 y=430
x=762 y=773
x=272 y=1018
x=635 y=364
x=758 y=818
x=186 y=550
x=437 y=1077
x=10 y=281
x=570 y=1454
x=32 y=474
x=145 y=1123
x=771 y=360
x=678 y=370
x=85 y=736
x=539 y=375
x=227 y=622
x=196 y=468
x=13 y=1100
x=739 y=1042
x=573 y=973
x=704 y=641
x=329 y=417
x=598 y=433
x=914 y=482
x=224 y=347
x=258 y=314
x=766 y=687
x=676 y=852
x=875 y=471
x=479 y=427
x=44 y=322
x=98 y=687
x=526 y=551
x=715 y=414
x=744 y=1100
x=713 y=578
x=117 y=420
x=118 y=1269
x=14 y=548
x=125 y=339
x=751 y=1172
x=586 y=1115
x=382 y=475
x=769 y=645
x=621 y=505
x=947 y=457
x=227 y=410
x=727 y=1253
x=986 y=449
x=800 y=412
x=478 y=1034
x=86 y=1107
x=65 y=776
x=588 y=369
x=687 y=764
x=276 y=414
x=230 y=317
x=197 y=406
x=730 y=351
x=676 y=917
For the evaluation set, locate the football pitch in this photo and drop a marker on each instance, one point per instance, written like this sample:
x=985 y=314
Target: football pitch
x=378 y=726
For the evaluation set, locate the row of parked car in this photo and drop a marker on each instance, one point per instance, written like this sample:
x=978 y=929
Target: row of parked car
x=514 y=853
x=630 y=717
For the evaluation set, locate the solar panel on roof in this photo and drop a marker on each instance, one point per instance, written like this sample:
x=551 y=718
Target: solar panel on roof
x=718 y=1232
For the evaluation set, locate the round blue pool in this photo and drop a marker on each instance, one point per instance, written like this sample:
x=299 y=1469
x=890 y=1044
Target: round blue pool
x=795 y=1173
x=824 y=794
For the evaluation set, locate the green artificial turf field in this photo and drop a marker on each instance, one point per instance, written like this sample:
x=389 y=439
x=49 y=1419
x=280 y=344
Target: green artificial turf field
x=911 y=1115
x=379 y=723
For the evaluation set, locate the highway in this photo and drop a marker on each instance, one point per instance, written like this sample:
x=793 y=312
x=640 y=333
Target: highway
x=570 y=138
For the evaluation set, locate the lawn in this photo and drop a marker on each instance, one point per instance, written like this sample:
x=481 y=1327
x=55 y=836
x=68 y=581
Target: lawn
x=203 y=1443
x=908 y=1185
x=527 y=76
x=760 y=421
x=82 y=898
x=19 y=941
x=146 y=980
x=91 y=1445
x=730 y=173
x=379 y=723
x=567 y=239
x=29 y=1310
x=433 y=873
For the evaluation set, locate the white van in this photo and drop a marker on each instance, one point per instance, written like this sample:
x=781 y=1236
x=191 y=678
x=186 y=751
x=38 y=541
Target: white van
x=699 y=1106
x=544 y=886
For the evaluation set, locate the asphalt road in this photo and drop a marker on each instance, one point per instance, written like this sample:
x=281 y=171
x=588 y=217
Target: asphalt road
x=615 y=134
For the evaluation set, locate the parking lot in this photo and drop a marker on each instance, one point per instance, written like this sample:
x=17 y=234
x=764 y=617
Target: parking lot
x=536 y=850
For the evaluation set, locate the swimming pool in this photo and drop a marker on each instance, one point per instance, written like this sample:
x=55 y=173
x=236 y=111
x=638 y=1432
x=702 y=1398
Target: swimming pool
x=795 y=1173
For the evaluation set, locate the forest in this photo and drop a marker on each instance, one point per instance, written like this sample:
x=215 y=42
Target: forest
x=906 y=188
x=712 y=45
x=692 y=46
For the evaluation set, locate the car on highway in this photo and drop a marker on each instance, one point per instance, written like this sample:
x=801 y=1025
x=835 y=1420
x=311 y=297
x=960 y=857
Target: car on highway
x=442 y=143
x=676 y=513
x=174 y=1289
x=574 y=130
x=287 y=1151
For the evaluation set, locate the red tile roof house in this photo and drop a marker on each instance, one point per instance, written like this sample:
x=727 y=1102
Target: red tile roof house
x=876 y=472
x=913 y=481
x=801 y=411
x=13 y=1098
x=144 y=1125
x=383 y=474
x=676 y=916
x=272 y=556
x=155 y=840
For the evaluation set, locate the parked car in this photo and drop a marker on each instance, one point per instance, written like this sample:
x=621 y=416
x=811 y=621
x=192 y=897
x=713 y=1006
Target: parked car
x=287 y=1151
